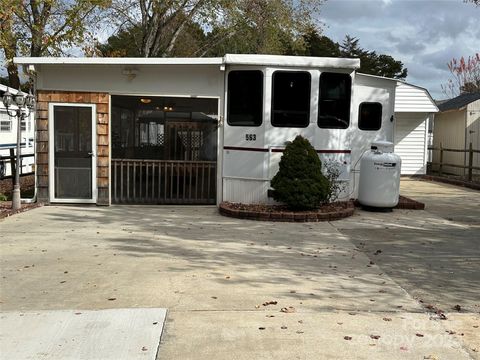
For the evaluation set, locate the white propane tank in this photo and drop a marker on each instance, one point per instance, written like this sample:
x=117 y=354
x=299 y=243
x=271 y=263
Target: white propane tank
x=380 y=176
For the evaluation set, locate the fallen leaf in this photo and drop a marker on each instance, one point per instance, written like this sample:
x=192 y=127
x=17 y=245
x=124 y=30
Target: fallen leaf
x=272 y=302
x=283 y=327
x=377 y=252
x=112 y=299
x=457 y=307
x=347 y=338
x=214 y=297
x=375 y=337
x=289 y=309
x=403 y=348
x=261 y=328
x=419 y=335
x=144 y=348
x=77 y=313
x=387 y=319
x=299 y=332
x=269 y=316
x=155 y=323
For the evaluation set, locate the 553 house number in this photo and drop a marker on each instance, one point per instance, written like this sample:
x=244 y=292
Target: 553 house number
x=250 y=137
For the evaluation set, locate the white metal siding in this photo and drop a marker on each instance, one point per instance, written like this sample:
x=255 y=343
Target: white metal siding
x=206 y=80
x=410 y=142
x=409 y=98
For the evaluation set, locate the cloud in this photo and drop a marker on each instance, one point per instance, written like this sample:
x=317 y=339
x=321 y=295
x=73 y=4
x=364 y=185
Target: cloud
x=423 y=34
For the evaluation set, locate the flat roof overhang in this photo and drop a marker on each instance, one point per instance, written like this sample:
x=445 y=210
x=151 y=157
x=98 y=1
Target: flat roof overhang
x=229 y=59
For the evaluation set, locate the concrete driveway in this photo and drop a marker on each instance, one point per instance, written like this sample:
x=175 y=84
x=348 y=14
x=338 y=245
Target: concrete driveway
x=352 y=289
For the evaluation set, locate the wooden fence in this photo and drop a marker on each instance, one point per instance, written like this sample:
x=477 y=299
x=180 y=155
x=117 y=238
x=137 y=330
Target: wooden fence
x=441 y=164
x=163 y=181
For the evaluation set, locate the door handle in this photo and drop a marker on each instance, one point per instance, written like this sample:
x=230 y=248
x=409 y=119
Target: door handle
x=91 y=153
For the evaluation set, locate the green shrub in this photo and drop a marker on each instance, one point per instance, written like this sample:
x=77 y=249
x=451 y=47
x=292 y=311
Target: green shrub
x=3 y=197
x=299 y=182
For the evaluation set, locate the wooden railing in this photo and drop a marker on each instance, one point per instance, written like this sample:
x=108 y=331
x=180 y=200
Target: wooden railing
x=12 y=160
x=163 y=181
x=441 y=164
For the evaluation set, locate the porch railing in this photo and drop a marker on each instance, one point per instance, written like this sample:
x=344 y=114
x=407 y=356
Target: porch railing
x=163 y=181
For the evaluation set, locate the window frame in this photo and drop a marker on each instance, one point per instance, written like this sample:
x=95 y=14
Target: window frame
x=360 y=114
x=273 y=98
x=2 y=123
x=349 y=91
x=262 y=95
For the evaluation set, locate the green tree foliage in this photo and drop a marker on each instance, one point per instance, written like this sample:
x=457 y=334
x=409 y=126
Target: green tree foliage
x=40 y=28
x=210 y=27
x=299 y=182
x=370 y=62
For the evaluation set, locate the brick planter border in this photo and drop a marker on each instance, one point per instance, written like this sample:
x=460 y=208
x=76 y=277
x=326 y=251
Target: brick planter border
x=287 y=216
x=404 y=203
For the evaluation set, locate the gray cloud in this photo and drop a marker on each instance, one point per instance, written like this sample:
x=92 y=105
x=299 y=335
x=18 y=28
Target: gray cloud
x=423 y=34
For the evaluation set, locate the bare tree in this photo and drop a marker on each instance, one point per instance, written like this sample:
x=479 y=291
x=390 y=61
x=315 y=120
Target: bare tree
x=465 y=76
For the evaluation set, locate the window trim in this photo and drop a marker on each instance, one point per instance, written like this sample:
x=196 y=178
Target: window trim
x=262 y=97
x=360 y=114
x=309 y=98
x=350 y=91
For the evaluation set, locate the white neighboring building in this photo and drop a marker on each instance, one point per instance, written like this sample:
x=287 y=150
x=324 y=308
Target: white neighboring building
x=414 y=107
x=8 y=137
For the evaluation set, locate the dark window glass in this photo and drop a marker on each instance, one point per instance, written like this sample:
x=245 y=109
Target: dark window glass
x=370 y=116
x=334 y=104
x=291 y=99
x=245 y=98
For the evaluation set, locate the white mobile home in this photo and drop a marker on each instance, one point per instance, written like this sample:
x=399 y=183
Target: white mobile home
x=8 y=137
x=206 y=130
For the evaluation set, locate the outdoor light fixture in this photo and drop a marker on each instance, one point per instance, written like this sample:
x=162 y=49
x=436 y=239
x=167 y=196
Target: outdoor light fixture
x=146 y=101
x=25 y=104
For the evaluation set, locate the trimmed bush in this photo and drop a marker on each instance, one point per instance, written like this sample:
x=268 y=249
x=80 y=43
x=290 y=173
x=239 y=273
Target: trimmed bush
x=299 y=182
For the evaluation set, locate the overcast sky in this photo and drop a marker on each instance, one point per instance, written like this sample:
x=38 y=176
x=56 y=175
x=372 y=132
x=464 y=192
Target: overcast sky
x=423 y=34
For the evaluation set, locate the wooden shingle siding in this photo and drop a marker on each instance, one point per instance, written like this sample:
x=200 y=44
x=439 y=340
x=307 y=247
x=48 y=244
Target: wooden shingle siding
x=101 y=100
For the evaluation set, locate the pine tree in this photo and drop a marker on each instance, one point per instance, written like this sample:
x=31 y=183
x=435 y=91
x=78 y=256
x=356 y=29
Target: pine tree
x=299 y=182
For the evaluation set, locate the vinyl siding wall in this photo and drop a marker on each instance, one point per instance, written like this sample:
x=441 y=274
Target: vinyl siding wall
x=413 y=107
x=410 y=142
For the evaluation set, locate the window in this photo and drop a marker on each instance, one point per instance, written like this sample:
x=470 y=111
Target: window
x=370 y=116
x=5 y=122
x=334 y=104
x=23 y=125
x=291 y=99
x=245 y=98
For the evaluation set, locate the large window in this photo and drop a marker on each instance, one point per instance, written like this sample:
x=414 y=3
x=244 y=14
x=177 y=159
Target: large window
x=370 y=116
x=245 y=98
x=291 y=99
x=334 y=104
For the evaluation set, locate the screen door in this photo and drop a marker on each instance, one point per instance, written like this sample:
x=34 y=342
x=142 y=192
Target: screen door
x=73 y=152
